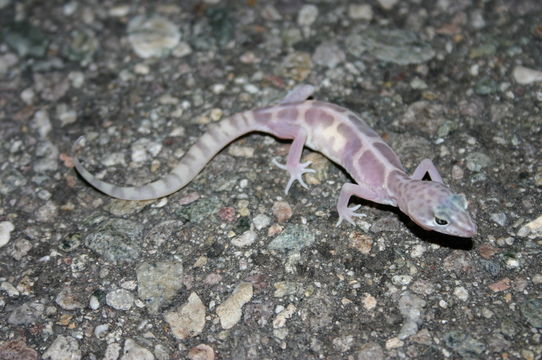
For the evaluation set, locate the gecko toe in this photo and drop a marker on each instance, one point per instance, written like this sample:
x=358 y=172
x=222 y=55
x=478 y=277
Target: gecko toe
x=279 y=165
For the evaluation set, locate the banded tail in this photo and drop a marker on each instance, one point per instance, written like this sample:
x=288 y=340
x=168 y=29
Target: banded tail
x=206 y=147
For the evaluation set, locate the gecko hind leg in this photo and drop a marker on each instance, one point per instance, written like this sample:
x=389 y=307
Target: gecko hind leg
x=426 y=166
x=299 y=93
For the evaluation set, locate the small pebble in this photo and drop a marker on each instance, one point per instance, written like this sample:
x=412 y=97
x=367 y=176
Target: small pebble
x=153 y=36
x=401 y=279
x=418 y=251
x=77 y=78
x=532 y=229
x=360 y=12
x=94 y=303
x=461 y=293
x=64 y=347
x=7 y=61
x=28 y=96
x=394 y=343
x=369 y=302
x=119 y=10
x=42 y=123
x=500 y=285
x=9 y=289
x=218 y=88
x=66 y=115
x=525 y=76
x=411 y=307
x=229 y=311
x=292 y=239
x=307 y=15
x=201 y=352
x=187 y=320
x=133 y=350
x=282 y=211
x=387 y=4
x=328 y=54
x=182 y=49
x=6 y=227
x=120 y=299
x=67 y=300
x=361 y=242
x=370 y=351
x=499 y=218
x=100 y=330
x=283 y=315
x=142 y=69
x=251 y=89
x=245 y=239
x=112 y=352
x=261 y=221
x=476 y=161
x=285 y=288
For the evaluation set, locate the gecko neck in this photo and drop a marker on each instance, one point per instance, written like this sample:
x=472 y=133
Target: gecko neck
x=399 y=185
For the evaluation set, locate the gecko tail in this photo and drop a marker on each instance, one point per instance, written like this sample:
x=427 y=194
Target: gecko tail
x=208 y=145
x=145 y=192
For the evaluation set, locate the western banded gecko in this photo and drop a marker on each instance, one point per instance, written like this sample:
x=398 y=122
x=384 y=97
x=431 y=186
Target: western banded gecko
x=342 y=137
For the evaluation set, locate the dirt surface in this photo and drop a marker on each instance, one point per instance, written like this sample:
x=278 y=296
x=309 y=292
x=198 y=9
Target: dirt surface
x=230 y=267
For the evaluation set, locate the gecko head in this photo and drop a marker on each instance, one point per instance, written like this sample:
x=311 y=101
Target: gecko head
x=433 y=206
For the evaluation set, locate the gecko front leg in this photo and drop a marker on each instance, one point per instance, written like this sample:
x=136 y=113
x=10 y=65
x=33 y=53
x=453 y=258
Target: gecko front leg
x=349 y=189
x=295 y=168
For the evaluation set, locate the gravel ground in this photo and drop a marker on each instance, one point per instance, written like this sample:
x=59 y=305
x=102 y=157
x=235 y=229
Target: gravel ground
x=230 y=267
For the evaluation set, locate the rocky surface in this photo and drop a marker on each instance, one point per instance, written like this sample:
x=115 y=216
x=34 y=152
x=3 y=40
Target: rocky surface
x=230 y=267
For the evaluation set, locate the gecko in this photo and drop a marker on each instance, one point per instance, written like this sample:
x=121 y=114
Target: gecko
x=341 y=136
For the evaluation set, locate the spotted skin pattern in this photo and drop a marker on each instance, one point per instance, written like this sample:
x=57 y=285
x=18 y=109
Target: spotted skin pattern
x=341 y=136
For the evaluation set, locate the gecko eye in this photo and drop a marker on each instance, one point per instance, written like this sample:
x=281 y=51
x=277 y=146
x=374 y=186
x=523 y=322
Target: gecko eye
x=440 y=221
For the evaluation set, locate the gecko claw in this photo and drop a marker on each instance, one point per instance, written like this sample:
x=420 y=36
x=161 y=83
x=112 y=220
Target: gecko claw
x=279 y=165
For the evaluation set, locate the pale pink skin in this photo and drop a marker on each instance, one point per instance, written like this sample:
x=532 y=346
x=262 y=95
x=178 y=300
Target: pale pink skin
x=342 y=137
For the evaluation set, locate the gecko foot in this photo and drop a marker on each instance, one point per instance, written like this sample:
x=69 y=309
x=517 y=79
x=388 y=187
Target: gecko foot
x=347 y=213
x=296 y=173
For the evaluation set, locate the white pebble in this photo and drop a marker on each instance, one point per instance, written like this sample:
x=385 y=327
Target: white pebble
x=42 y=123
x=260 y=221
x=524 y=75
x=120 y=299
x=360 y=12
x=532 y=229
x=182 y=50
x=461 y=293
x=417 y=251
x=245 y=239
x=401 y=279
x=307 y=15
x=6 y=228
x=142 y=69
x=100 y=330
x=9 y=289
x=28 y=96
x=387 y=4
x=65 y=115
x=119 y=11
x=153 y=37
x=251 y=89
x=512 y=263
x=94 y=303
x=218 y=88
x=77 y=78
